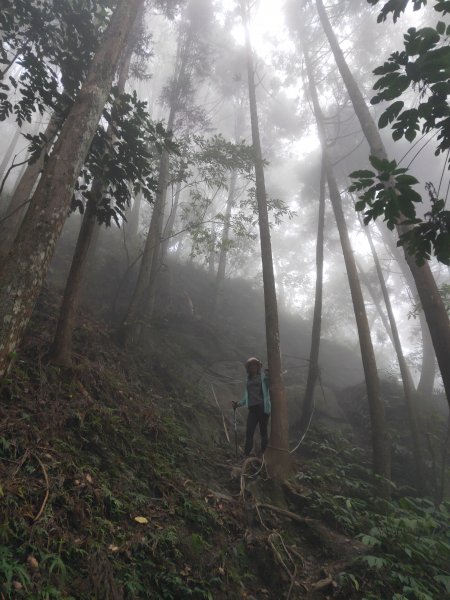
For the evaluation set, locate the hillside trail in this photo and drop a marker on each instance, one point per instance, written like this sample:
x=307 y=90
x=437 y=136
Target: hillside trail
x=296 y=557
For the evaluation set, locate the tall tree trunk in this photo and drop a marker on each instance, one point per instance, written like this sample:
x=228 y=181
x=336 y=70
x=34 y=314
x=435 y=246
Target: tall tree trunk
x=425 y=386
x=9 y=152
x=212 y=255
x=277 y=453
x=132 y=226
x=408 y=386
x=61 y=349
x=132 y=324
x=380 y=452
x=23 y=272
x=432 y=304
x=428 y=369
x=373 y=294
x=19 y=202
x=223 y=254
x=222 y=264
x=168 y=229
x=142 y=300
x=313 y=369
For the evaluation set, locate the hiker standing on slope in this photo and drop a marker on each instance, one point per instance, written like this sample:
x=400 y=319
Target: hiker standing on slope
x=257 y=399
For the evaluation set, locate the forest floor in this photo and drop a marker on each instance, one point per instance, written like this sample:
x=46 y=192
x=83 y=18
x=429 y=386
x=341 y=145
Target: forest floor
x=112 y=488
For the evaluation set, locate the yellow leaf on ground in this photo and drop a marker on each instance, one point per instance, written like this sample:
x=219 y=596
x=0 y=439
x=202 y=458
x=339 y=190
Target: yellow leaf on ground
x=142 y=520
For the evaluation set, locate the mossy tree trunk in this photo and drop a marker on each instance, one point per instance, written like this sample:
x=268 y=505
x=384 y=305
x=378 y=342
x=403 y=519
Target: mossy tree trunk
x=18 y=205
x=61 y=348
x=24 y=269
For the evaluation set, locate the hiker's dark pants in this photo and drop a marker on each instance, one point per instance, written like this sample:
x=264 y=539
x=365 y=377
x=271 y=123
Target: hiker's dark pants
x=256 y=415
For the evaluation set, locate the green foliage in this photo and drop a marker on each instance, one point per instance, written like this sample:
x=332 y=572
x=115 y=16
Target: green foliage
x=53 y=42
x=407 y=540
x=125 y=159
x=409 y=553
x=11 y=571
x=432 y=234
x=389 y=193
x=397 y=7
x=423 y=66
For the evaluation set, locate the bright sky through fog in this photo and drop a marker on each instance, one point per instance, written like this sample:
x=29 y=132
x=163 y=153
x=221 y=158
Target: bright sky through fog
x=267 y=25
x=269 y=35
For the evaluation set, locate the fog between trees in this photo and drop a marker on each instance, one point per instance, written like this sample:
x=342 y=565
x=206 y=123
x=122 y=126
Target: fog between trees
x=166 y=174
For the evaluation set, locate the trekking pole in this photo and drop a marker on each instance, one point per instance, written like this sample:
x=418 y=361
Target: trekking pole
x=235 y=432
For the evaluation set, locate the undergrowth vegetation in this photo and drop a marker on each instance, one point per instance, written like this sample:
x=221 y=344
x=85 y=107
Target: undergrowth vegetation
x=96 y=500
x=407 y=540
x=112 y=487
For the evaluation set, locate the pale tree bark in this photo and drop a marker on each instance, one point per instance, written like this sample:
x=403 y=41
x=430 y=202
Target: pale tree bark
x=222 y=264
x=132 y=225
x=313 y=368
x=224 y=246
x=433 y=307
x=18 y=205
x=428 y=368
x=133 y=322
x=61 y=348
x=408 y=385
x=169 y=227
x=425 y=386
x=277 y=454
x=9 y=152
x=380 y=446
x=373 y=294
x=212 y=256
x=23 y=272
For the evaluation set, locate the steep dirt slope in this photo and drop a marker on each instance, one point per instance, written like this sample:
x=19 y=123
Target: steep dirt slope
x=117 y=482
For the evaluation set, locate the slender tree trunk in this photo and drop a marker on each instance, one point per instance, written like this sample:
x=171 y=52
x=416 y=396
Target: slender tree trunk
x=19 y=202
x=408 y=386
x=313 y=370
x=132 y=226
x=24 y=270
x=222 y=264
x=425 y=386
x=132 y=324
x=212 y=261
x=428 y=369
x=380 y=452
x=223 y=254
x=433 y=307
x=168 y=229
x=277 y=453
x=9 y=152
x=142 y=301
x=373 y=294
x=61 y=349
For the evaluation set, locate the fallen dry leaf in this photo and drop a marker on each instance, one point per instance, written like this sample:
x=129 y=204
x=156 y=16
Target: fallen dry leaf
x=142 y=520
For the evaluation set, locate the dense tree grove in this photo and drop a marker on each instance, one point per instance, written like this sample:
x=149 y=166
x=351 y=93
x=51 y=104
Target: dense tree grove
x=304 y=148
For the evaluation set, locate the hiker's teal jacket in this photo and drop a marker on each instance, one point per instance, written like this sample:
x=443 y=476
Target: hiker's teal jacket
x=266 y=394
